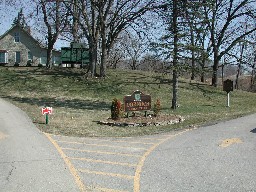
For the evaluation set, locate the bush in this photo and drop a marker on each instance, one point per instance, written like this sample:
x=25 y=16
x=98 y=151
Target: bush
x=157 y=107
x=16 y=64
x=29 y=63
x=40 y=65
x=116 y=109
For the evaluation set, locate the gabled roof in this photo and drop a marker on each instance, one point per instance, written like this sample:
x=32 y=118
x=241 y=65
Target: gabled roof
x=27 y=33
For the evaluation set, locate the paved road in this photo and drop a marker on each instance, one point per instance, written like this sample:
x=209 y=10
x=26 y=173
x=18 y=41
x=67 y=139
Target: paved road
x=221 y=157
x=217 y=158
x=28 y=161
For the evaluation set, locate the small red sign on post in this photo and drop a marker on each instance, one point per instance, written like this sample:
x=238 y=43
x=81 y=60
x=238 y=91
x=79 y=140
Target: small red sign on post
x=46 y=110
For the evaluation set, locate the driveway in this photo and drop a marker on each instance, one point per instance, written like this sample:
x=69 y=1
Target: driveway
x=220 y=157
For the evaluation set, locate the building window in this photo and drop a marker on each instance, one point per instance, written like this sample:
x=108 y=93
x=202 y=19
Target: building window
x=56 y=60
x=17 y=37
x=3 y=57
x=30 y=56
x=17 y=57
x=43 y=60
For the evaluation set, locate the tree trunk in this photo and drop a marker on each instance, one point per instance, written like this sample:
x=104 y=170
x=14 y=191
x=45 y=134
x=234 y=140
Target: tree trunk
x=239 y=67
x=237 y=75
x=215 y=68
x=193 y=66
x=103 y=52
x=252 y=77
x=75 y=21
x=103 y=61
x=92 y=59
x=49 y=56
x=134 y=64
x=175 y=56
x=203 y=72
x=192 y=53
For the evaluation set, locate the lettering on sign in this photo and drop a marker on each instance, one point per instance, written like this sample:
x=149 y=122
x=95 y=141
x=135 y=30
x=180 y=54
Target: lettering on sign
x=138 y=101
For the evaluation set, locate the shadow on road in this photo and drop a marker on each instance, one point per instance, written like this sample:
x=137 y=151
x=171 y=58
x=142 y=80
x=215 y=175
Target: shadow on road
x=253 y=131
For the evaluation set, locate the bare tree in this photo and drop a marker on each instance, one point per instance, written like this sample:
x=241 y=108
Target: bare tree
x=103 y=21
x=134 y=47
x=116 y=55
x=55 y=17
x=223 y=19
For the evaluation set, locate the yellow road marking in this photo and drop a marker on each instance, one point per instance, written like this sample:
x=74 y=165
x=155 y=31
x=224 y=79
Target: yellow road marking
x=102 y=152
x=228 y=142
x=111 y=140
x=108 y=190
x=2 y=135
x=135 y=142
x=139 y=138
x=143 y=158
x=111 y=146
x=105 y=162
x=129 y=177
x=72 y=169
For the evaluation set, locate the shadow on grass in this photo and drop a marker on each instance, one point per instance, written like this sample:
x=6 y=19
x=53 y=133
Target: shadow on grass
x=253 y=131
x=66 y=103
x=54 y=72
x=204 y=89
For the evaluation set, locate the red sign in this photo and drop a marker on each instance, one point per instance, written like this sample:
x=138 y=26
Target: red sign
x=47 y=110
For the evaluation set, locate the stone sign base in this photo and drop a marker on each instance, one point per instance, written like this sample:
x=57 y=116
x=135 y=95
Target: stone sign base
x=143 y=121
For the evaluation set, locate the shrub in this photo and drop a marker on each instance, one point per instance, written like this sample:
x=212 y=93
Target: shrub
x=116 y=109
x=157 y=107
x=29 y=63
x=40 y=65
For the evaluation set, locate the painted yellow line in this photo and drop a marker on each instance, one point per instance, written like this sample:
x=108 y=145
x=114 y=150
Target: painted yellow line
x=134 y=142
x=104 y=162
x=113 y=141
x=143 y=158
x=72 y=169
x=111 y=146
x=153 y=139
x=108 y=190
x=102 y=152
x=129 y=177
x=228 y=142
x=2 y=135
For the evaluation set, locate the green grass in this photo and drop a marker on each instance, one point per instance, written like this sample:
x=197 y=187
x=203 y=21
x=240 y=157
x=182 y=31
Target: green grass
x=79 y=103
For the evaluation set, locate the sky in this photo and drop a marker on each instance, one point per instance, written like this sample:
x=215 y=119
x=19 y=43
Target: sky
x=7 y=15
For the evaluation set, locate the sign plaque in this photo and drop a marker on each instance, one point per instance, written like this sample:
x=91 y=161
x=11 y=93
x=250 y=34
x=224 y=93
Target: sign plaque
x=138 y=101
x=228 y=85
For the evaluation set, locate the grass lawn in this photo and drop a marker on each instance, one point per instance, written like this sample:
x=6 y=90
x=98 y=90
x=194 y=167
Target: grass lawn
x=78 y=103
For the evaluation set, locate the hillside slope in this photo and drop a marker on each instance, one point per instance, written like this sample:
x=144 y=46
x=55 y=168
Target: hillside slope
x=79 y=103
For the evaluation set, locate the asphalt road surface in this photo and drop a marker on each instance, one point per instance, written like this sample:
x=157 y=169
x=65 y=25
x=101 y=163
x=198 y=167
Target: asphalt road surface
x=28 y=161
x=220 y=157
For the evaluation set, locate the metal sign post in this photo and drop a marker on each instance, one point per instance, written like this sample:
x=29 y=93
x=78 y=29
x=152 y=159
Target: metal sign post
x=228 y=99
